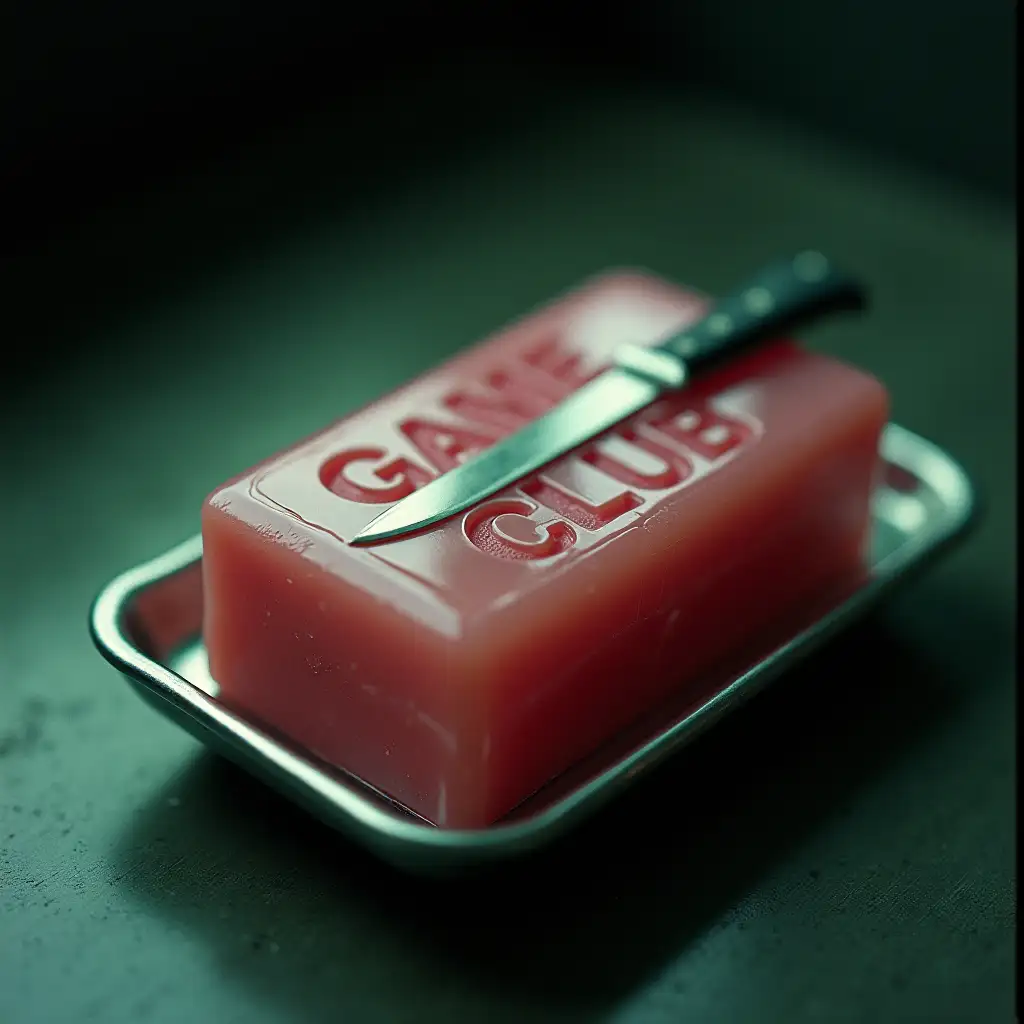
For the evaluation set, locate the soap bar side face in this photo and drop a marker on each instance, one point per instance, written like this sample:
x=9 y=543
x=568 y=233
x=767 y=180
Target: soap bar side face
x=660 y=614
x=459 y=669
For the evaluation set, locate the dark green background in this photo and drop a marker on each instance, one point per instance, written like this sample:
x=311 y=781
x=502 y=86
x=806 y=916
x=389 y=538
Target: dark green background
x=841 y=850
x=95 y=97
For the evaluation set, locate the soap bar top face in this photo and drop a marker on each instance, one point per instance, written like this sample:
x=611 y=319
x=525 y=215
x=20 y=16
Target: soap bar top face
x=455 y=577
x=460 y=668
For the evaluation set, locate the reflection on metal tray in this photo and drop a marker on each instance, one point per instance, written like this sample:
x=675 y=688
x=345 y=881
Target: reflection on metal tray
x=147 y=623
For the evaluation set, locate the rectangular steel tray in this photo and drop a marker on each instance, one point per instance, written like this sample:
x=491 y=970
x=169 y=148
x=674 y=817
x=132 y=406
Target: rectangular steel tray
x=147 y=623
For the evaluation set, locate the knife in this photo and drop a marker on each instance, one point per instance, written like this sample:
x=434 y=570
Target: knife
x=783 y=297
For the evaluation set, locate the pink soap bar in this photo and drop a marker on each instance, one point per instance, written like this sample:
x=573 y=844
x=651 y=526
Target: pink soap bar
x=460 y=669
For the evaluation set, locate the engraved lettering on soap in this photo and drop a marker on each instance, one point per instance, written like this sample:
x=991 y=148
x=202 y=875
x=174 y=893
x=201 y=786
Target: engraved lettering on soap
x=562 y=365
x=444 y=445
x=677 y=467
x=673 y=444
x=689 y=437
x=502 y=528
x=575 y=507
x=403 y=476
x=507 y=399
x=698 y=427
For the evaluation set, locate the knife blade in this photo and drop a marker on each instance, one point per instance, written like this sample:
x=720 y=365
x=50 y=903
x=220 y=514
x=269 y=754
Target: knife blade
x=782 y=297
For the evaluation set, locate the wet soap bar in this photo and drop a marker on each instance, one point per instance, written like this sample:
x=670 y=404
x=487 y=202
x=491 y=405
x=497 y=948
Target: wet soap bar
x=459 y=669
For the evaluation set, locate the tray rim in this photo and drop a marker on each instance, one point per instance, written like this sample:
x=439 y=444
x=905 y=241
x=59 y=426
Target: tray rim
x=401 y=839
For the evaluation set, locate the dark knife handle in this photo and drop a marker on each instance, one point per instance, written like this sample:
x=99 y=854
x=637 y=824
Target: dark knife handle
x=783 y=297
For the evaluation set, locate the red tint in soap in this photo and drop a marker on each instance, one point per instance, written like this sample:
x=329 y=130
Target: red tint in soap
x=461 y=668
